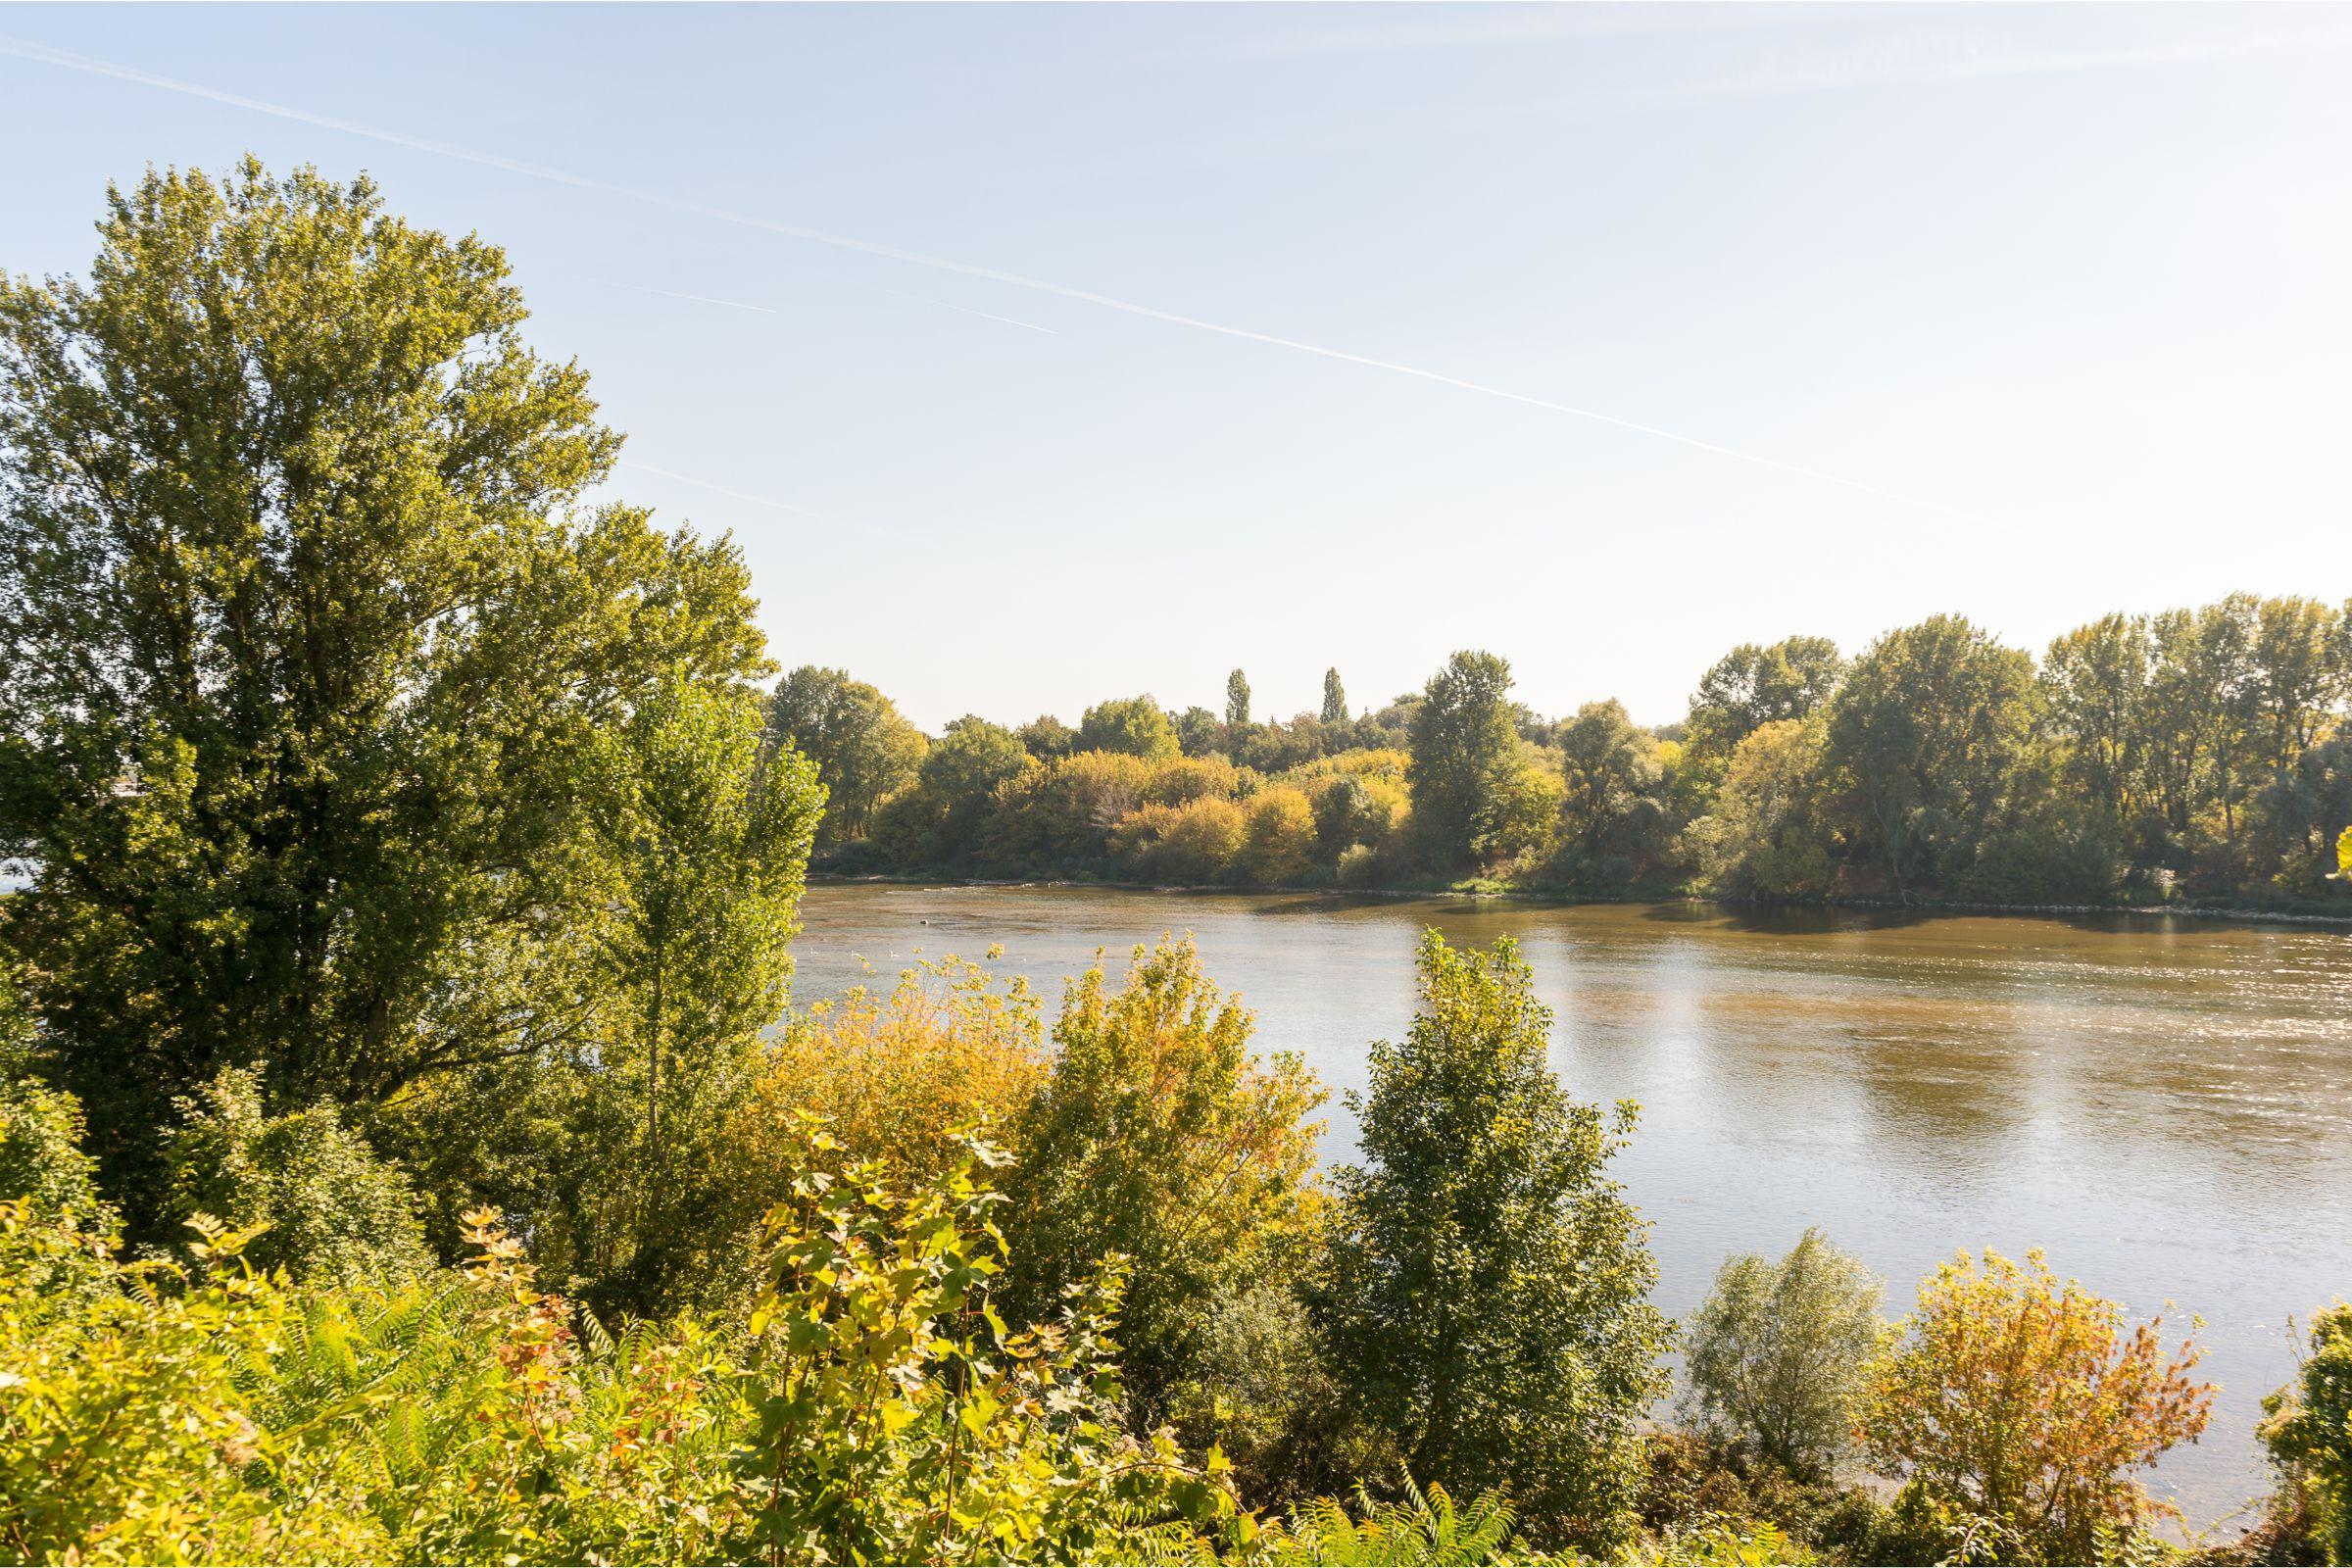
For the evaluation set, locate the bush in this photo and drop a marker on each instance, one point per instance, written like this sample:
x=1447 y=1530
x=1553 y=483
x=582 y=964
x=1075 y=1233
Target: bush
x=1190 y=778
x=1486 y=1302
x=895 y=1076
x=1158 y=1135
x=2307 y=1427
x=1262 y=1393
x=2017 y=1415
x=319 y=1201
x=1279 y=841
x=1779 y=1352
x=1193 y=844
x=868 y=1404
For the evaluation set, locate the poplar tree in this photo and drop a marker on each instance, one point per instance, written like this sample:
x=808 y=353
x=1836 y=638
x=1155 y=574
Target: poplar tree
x=1334 y=699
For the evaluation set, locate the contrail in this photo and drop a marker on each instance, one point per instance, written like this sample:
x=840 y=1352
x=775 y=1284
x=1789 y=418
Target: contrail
x=699 y=299
x=855 y=282
x=100 y=68
x=949 y=304
x=763 y=501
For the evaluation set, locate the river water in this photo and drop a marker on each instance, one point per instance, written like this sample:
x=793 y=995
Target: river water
x=2163 y=1104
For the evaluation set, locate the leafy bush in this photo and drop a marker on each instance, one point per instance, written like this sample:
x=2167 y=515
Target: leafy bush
x=2307 y=1427
x=1159 y=1134
x=1278 y=843
x=317 y=1200
x=896 y=1075
x=2017 y=1415
x=1778 y=1354
x=871 y=1405
x=1486 y=1305
x=1197 y=842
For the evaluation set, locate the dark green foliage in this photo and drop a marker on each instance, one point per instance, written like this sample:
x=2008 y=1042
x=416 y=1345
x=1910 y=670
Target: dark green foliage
x=942 y=820
x=1335 y=699
x=305 y=647
x=1928 y=728
x=1750 y=687
x=863 y=748
x=1463 y=751
x=1486 y=1306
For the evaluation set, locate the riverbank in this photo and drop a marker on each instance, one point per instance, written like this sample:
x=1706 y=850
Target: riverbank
x=2297 y=912
x=2163 y=1106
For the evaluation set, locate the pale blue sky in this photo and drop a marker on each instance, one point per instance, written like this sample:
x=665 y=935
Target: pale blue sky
x=2050 y=302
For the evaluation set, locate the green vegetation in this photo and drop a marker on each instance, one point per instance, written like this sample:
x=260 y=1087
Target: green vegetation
x=2190 y=756
x=409 y=1153
x=1777 y=1354
x=1485 y=1302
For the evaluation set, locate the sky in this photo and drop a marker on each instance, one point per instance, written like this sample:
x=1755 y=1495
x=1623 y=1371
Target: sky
x=1035 y=355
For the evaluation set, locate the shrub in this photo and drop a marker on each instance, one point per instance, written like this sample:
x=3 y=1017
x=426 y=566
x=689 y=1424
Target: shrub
x=1158 y=1135
x=1279 y=841
x=319 y=1202
x=1778 y=1354
x=1486 y=1305
x=2017 y=1414
x=41 y=1158
x=1262 y=1392
x=895 y=1075
x=1190 y=778
x=870 y=1404
x=2307 y=1427
x=1193 y=844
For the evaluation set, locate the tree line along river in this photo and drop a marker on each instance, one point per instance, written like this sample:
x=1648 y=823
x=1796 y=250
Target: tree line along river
x=2163 y=1103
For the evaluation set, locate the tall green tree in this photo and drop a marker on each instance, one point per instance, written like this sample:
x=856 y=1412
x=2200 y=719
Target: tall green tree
x=1609 y=768
x=1927 y=727
x=1753 y=686
x=708 y=833
x=1135 y=726
x=1237 y=701
x=1334 y=699
x=1463 y=751
x=305 y=646
x=2095 y=681
x=1486 y=1305
x=2299 y=677
x=863 y=750
x=942 y=820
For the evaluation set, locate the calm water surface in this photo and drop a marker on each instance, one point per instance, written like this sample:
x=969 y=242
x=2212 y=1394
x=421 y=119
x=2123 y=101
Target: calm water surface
x=2165 y=1105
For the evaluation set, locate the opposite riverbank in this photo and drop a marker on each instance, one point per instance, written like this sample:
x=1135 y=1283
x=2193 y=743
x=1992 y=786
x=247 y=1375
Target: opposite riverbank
x=2290 y=913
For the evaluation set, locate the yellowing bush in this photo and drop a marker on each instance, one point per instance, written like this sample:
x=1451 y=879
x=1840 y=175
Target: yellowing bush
x=895 y=1075
x=1279 y=841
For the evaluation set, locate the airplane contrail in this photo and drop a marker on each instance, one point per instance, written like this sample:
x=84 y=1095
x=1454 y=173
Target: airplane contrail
x=70 y=61
x=699 y=299
x=763 y=501
x=855 y=282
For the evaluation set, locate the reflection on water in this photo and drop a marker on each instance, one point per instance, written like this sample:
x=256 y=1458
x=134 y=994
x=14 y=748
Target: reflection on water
x=2164 y=1105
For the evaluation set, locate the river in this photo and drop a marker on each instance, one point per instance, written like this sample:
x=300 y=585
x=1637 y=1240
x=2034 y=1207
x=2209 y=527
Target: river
x=2163 y=1104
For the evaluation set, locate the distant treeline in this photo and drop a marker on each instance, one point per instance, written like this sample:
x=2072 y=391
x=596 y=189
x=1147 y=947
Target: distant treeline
x=2196 y=752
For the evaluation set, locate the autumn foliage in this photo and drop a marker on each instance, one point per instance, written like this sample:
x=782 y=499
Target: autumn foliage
x=2019 y=1410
